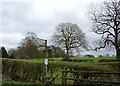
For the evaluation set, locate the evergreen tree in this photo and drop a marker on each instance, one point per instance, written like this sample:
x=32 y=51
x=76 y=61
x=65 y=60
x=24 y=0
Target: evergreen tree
x=4 y=52
x=0 y=53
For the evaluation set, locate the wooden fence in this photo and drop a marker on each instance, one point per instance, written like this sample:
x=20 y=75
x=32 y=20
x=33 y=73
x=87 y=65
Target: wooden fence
x=90 y=76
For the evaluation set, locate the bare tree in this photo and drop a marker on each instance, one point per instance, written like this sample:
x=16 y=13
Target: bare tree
x=29 y=47
x=69 y=36
x=12 y=53
x=119 y=40
x=106 y=22
x=58 y=52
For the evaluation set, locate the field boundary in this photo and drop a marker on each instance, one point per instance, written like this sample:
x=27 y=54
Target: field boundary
x=89 y=74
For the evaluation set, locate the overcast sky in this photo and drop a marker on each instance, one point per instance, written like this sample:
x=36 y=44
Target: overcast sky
x=41 y=17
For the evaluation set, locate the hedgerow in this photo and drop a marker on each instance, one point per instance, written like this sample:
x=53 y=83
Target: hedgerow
x=31 y=72
x=108 y=60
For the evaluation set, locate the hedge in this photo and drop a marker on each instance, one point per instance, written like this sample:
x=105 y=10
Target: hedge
x=22 y=71
x=115 y=66
x=77 y=60
x=108 y=60
x=31 y=72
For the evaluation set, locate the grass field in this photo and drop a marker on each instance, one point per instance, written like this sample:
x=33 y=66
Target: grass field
x=60 y=59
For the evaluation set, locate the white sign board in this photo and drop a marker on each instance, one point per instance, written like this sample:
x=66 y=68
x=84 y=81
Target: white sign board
x=41 y=42
x=46 y=61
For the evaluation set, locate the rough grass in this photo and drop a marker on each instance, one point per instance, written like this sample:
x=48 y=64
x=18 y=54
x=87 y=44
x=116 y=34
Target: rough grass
x=60 y=59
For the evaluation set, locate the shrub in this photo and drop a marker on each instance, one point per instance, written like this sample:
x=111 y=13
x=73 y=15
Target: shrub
x=64 y=59
x=82 y=60
x=108 y=60
x=24 y=71
x=112 y=65
x=29 y=71
x=51 y=60
x=70 y=60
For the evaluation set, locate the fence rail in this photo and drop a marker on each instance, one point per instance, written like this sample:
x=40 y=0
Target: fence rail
x=89 y=74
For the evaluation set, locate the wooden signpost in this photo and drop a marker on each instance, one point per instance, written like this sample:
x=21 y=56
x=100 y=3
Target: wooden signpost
x=43 y=44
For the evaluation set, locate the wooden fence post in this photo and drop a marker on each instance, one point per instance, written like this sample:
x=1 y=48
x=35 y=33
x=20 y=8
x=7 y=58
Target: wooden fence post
x=64 y=80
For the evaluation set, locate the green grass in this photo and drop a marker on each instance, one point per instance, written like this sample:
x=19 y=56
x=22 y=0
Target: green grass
x=7 y=80
x=95 y=60
x=26 y=60
x=36 y=60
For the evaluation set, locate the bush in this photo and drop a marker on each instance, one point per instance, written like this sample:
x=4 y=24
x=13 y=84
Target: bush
x=80 y=60
x=22 y=71
x=29 y=71
x=108 y=60
x=112 y=65
x=51 y=60
x=70 y=60
x=64 y=59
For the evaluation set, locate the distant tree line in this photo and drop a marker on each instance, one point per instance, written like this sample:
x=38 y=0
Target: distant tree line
x=28 y=49
x=68 y=36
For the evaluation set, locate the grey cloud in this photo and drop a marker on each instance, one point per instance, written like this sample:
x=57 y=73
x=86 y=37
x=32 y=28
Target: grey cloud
x=20 y=17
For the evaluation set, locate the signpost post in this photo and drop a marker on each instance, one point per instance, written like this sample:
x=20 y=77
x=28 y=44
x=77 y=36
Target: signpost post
x=46 y=60
x=46 y=63
x=43 y=43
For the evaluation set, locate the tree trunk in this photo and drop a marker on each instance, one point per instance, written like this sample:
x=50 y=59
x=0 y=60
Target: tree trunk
x=117 y=53
x=67 y=57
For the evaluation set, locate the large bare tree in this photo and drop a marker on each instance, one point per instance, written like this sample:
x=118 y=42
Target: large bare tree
x=106 y=22
x=69 y=36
